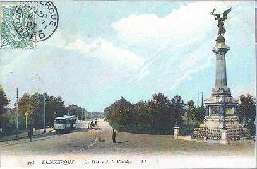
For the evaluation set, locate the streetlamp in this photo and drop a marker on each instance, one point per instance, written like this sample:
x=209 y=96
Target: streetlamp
x=17 y=112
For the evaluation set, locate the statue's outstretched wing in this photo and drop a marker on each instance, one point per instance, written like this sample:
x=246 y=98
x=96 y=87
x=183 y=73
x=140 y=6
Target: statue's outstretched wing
x=225 y=13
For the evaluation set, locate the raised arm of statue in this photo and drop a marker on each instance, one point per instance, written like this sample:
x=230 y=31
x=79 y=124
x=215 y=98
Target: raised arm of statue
x=217 y=16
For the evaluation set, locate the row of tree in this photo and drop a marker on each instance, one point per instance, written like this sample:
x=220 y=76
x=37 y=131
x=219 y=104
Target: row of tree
x=160 y=114
x=247 y=112
x=157 y=115
x=31 y=111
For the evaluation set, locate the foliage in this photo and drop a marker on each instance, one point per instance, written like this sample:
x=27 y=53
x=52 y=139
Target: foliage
x=31 y=110
x=158 y=115
x=77 y=111
x=193 y=117
x=247 y=112
x=179 y=110
x=9 y=121
x=33 y=107
x=4 y=101
x=119 y=114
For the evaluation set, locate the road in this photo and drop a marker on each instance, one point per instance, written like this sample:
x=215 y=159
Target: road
x=97 y=144
x=98 y=141
x=52 y=143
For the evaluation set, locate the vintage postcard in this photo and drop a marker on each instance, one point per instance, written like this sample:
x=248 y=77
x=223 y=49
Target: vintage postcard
x=127 y=84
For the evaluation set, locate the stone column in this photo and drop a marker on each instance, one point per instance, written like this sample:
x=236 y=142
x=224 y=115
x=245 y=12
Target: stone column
x=221 y=74
x=220 y=51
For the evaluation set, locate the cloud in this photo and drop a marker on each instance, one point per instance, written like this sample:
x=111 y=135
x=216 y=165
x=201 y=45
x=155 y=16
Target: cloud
x=185 y=24
x=193 y=64
x=77 y=70
x=181 y=41
x=105 y=50
x=142 y=54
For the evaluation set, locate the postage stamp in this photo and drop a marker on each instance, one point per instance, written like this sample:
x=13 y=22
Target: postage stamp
x=25 y=23
x=17 y=26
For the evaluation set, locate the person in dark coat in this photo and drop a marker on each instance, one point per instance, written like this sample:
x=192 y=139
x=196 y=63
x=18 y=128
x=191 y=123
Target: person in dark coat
x=114 y=136
x=30 y=132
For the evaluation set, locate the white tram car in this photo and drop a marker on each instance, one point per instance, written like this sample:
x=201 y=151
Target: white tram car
x=64 y=124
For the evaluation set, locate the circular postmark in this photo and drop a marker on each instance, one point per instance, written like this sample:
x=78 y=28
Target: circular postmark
x=46 y=20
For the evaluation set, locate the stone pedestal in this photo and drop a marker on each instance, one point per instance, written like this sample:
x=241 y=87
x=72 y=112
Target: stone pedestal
x=176 y=132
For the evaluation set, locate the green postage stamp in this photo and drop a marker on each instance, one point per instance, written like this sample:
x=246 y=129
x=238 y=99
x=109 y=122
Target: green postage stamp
x=25 y=23
x=17 y=26
x=128 y=84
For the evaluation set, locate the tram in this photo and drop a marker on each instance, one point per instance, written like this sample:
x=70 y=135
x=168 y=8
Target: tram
x=64 y=124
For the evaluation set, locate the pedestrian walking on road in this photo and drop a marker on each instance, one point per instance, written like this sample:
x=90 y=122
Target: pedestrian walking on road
x=114 y=136
x=30 y=132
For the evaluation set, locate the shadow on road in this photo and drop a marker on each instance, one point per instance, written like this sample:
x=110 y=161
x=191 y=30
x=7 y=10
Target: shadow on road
x=120 y=142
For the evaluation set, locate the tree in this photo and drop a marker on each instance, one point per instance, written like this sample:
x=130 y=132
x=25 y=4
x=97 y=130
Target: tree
x=141 y=115
x=247 y=112
x=75 y=110
x=24 y=104
x=191 y=111
x=4 y=101
x=200 y=114
x=179 y=110
x=25 y=107
x=9 y=121
x=119 y=114
x=162 y=113
x=54 y=107
x=157 y=115
x=192 y=118
x=33 y=107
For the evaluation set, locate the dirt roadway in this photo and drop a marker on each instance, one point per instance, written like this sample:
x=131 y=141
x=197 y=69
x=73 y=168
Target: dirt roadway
x=86 y=142
x=140 y=144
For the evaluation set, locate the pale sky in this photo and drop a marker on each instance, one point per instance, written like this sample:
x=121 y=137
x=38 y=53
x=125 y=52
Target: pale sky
x=104 y=50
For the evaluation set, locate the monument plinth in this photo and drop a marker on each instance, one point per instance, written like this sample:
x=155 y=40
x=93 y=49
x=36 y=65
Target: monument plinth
x=221 y=122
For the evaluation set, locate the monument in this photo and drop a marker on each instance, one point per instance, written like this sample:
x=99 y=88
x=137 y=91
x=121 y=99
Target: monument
x=221 y=122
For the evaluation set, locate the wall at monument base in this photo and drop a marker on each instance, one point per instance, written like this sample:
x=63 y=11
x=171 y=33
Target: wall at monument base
x=213 y=125
x=232 y=122
x=212 y=122
x=217 y=122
